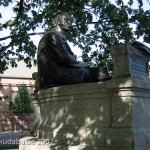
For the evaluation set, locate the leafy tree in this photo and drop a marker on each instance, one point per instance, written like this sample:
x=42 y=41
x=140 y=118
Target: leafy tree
x=98 y=23
x=22 y=102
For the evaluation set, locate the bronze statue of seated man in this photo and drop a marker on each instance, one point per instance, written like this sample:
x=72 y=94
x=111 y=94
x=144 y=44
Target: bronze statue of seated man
x=57 y=64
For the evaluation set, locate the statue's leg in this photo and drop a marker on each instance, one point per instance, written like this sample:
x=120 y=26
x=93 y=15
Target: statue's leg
x=91 y=75
x=96 y=74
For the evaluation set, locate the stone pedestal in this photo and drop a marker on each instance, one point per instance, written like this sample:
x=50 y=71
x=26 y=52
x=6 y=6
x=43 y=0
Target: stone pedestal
x=106 y=115
x=110 y=115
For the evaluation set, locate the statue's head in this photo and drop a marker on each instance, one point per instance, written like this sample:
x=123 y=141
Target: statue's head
x=62 y=19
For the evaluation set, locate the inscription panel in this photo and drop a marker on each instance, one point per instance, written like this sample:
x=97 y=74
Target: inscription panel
x=138 y=65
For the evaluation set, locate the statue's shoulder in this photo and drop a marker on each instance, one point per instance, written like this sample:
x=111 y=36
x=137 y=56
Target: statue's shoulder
x=50 y=36
x=51 y=33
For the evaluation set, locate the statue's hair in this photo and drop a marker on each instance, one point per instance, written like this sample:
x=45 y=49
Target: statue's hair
x=58 y=16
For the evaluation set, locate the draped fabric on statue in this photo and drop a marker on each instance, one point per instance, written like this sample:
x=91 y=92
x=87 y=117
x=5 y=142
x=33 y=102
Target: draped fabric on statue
x=57 y=63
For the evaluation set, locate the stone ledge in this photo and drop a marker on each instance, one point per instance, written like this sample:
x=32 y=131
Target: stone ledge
x=95 y=87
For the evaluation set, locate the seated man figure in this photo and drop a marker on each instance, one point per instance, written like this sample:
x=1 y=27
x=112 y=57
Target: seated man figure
x=57 y=64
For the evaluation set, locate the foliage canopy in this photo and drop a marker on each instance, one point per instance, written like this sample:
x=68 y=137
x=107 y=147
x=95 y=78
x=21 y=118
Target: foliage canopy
x=98 y=23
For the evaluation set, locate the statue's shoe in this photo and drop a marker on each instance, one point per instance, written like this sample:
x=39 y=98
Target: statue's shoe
x=103 y=74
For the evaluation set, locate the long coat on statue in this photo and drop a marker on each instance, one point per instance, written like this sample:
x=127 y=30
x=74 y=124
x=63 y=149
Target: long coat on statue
x=57 y=64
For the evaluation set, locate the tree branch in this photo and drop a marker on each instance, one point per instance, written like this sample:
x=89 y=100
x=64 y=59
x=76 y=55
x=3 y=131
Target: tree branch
x=30 y=34
x=13 y=22
x=5 y=38
x=36 y=33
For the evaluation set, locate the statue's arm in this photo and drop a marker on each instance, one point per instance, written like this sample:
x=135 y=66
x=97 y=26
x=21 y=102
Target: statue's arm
x=57 y=50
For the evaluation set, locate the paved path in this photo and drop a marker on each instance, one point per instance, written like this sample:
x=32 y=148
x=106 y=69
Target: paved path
x=10 y=140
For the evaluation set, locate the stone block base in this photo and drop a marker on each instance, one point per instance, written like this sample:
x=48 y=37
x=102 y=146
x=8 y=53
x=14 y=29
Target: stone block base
x=110 y=115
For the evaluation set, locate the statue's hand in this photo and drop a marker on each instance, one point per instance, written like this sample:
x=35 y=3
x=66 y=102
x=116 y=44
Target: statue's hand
x=84 y=65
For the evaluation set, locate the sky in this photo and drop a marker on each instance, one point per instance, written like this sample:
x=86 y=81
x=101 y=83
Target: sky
x=7 y=14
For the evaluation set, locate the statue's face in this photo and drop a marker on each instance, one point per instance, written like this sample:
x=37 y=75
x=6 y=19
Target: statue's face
x=66 y=23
